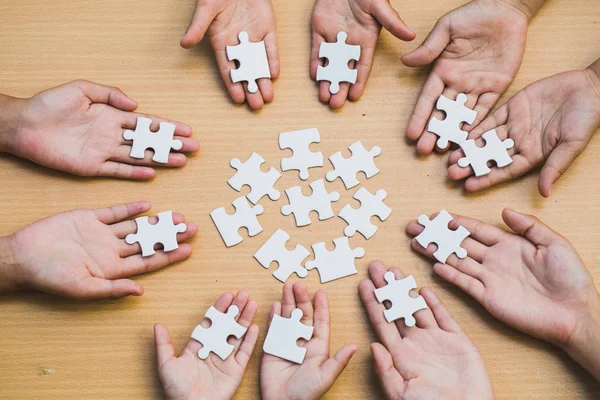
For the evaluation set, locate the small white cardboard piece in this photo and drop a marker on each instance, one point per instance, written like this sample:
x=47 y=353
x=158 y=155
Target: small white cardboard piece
x=448 y=241
x=494 y=150
x=397 y=291
x=284 y=333
x=337 y=263
x=302 y=159
x=449 y=129
x=301 y=206
x=161 y=142
x=253 y=60
x=163 y=232
x=347 y=168
x=359 y=220
x=338 y=54
x=244 y=216
x=214 y=338
x=249 y=173
x=289 y=261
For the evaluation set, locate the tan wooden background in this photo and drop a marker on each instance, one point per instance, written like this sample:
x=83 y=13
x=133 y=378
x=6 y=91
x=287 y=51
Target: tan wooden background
x=56 y=349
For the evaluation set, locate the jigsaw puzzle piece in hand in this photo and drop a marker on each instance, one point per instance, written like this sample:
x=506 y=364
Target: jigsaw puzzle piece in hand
x=338 y=55
x=494 y=150
x=163 y=232
x=447 y=240
x=252 y=57
x=160 y=142
x=397 y=291
x=214 y=338
x=449 y=129
x=284 y=333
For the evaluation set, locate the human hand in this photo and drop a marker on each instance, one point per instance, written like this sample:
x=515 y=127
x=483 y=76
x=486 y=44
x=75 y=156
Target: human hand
x=434 y=359
x=281 y=379
x=530 y=278
x=223 y=20
x=551 y=122
x=78 y=128
x=189 y=377
x=82 y=254
x=362 y=21
x=477 y=49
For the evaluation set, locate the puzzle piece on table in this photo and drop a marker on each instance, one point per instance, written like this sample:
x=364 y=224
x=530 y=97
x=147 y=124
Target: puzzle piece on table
x=449 y=129
x=447 y=240
x=249 y=173
x=161 y=142
x=397 y=291
x=301 y=205
x=214 y=338
x=302 y=159
x=163 y=232
x=494 y=150
x=337 y=263
x=347 y=168
x=359 y=220
x=338 y=55
x=228 y=225
x=253 y=60
x=284 y=333
x=289 y=261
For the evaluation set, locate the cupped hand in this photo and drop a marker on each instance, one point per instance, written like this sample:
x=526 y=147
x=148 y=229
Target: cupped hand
x=281 y=379
x=530 y=278
x=362 y=21
x=477 y=49
x=188 y=376
x=434 y=359
x=82 y=254
x=78 y=128
x=223 y=20
x=551 y=122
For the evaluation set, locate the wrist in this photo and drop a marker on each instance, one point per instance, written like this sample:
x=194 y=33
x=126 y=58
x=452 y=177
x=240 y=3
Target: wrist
x=11 y=114
x=593 y=72
x=586 y=333
x=11 y=279
x=527 y=7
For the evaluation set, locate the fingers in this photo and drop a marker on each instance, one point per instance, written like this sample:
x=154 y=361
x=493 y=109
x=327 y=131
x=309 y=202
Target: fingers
x=136 y=264
x=520 y=166
x=92 y=288
x=389 y=18
x=390 y=378
x=246 y=348
x=107 y=95
x=530 y=227
x=363 y=67
x=443 y=318
x=129 y=121
x=333 y=367
x=468 y=284
x=121 y=155
x=558 y=162
x=204 y=14
x=315 y=61
x=164 y=345
x=273 y=56
x=322 y=316
x=288 y=301
x=417 y=125
x=303 y=302
x=114 y=214
x=125 y=171
x=432 y=46
x=128 y=250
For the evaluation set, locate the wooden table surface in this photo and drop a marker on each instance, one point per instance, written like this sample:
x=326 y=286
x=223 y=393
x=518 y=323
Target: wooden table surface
x=57 y=349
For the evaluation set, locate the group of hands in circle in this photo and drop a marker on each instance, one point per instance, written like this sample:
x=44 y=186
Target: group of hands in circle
x=529 y=277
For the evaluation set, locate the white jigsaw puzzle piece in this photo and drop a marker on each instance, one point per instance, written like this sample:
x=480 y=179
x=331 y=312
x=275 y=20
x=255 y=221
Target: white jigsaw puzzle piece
x=397 y=291
x=253 y=60
x=449 y=129
x=284 y=333
x=347 y=168
x=337 y=263
x=244 y=216
x=359 y=220
x=494 y=150
x=163 y=232
x=301 y=206
x=249 y=173
x=214 y=338
x=289 y=261
x=447 y=240
x=160 y=142
x=302 y=159
x=338 y=54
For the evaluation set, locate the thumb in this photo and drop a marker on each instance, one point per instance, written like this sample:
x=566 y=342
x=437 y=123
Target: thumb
x=107 y=95
x=530 y=227
x=389 y=18
x=164 y=344
x=336 y=364
x=99 y=289
x=557 y=163
x=432 y=46
x=204 y=14
x=391 y=380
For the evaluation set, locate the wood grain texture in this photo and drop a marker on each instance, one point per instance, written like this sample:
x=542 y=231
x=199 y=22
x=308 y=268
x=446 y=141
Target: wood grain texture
x=55 y=349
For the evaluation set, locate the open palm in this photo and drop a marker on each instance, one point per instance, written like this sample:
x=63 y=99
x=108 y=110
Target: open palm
x=477 y=49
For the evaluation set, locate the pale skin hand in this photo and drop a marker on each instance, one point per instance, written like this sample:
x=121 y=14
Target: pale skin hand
x=530 y=278
x=362 y=21
x=78 y=128
x=551 y=122
x=434 y=359
x=189 y=377
x=82 y=254
x=222 y=21
x=477 y=49
x=281 y=379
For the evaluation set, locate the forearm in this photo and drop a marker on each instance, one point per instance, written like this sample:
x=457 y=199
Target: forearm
x=10 y=112
x=594 y=70
x=584 y=347
x=527 y=7
x=9 y=267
